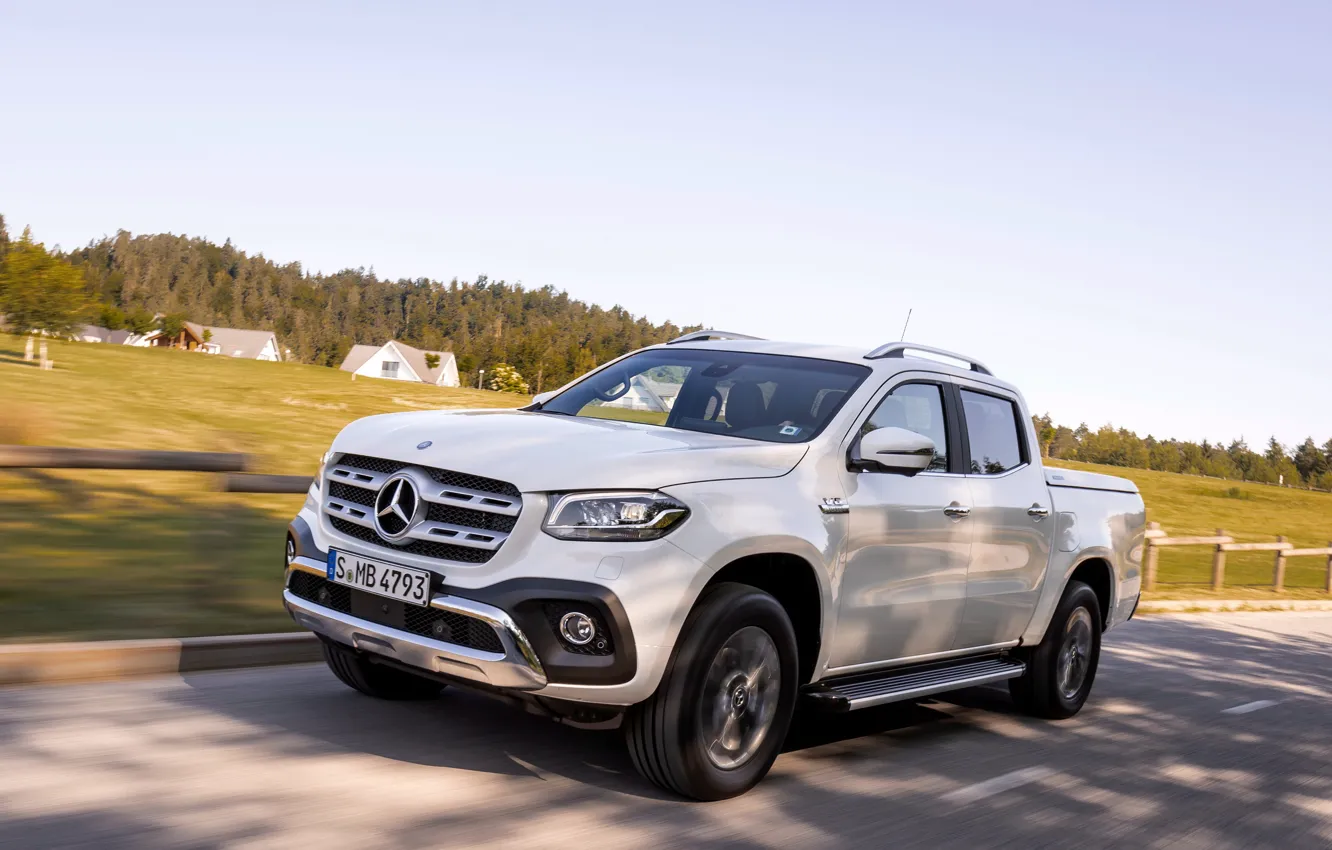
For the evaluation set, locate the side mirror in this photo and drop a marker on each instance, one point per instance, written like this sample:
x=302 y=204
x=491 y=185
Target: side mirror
x=897 y=450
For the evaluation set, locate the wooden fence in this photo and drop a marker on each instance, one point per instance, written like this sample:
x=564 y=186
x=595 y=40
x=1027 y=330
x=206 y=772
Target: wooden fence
x=235 y=478
x=1223 y=543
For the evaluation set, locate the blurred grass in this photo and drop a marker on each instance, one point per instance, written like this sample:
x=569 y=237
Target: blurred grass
x=1193 y=505
x=110 y=554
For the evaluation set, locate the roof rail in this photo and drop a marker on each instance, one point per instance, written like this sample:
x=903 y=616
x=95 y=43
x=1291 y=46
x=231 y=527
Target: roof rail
x=700 y=336
x=899 y=349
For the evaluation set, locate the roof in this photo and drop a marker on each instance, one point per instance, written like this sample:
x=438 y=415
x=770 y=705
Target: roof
x=414 y=357
x=106 y=334
x=235 y=342
x=845 y=354
x=356 y=358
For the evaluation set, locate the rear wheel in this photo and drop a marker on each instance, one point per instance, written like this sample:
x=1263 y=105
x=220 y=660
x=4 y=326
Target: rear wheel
x=359 y=673
x=720 y=715
x=1062 y=667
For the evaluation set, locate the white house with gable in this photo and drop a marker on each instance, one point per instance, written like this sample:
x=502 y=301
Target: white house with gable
x=400 y=362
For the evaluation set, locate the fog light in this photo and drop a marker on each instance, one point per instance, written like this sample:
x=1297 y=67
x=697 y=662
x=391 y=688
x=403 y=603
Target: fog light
x=439 y=629
x=577 y=628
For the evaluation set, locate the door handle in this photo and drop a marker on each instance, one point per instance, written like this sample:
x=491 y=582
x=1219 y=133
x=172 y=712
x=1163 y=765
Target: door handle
x=957 y=511
x=1038 y=511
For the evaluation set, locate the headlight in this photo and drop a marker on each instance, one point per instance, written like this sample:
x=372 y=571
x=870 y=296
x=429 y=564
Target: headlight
x=614 y=516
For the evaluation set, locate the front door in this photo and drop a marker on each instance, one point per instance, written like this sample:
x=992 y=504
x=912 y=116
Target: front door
x=903 y=583
x=1010 y=510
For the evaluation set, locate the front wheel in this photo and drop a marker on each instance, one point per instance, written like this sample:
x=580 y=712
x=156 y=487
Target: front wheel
x=720 y=715
x=1062 y=667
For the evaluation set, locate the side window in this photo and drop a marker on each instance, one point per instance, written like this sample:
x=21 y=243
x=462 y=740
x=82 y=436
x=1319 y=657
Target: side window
x=919 y=408
x=992 y=432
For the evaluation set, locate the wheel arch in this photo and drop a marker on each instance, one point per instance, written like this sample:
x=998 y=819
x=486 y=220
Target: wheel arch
x=794 y=583
x=1097 y=573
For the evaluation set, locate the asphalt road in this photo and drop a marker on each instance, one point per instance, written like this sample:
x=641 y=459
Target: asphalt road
x=1206 y=731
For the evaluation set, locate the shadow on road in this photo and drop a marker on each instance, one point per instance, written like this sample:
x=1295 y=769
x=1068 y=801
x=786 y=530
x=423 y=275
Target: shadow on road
x=1153 y=761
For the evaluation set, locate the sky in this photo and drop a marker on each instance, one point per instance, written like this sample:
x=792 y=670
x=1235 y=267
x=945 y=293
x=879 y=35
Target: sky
x=1125 y=209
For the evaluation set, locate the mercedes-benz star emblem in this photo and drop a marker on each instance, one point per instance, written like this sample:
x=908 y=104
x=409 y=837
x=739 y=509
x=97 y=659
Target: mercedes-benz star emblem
x=396 y=507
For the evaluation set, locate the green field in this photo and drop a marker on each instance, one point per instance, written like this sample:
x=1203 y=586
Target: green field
x=100 y=554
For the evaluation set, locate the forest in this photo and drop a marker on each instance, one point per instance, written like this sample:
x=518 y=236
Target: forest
x=543 y=333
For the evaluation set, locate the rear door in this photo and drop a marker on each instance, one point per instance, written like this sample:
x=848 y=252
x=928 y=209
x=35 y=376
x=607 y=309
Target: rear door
x=1010 y=514
x=904 y=581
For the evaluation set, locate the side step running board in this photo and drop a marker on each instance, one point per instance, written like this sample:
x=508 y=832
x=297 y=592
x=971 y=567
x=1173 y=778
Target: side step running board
x=851 y=692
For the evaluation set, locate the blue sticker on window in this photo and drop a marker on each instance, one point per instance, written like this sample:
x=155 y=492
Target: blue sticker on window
x=789 y=430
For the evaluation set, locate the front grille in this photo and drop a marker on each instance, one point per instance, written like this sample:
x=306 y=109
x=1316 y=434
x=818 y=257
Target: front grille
x=452 y=628
x=457 y=515
x=446 y=477
x=424 y=548
x=447 y=626
x=308 y=586
x=347 y=493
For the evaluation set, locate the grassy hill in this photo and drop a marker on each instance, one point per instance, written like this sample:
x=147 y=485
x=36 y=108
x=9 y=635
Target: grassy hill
x=96 y=554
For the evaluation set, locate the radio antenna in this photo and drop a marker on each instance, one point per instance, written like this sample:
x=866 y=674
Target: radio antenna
x=904 y=325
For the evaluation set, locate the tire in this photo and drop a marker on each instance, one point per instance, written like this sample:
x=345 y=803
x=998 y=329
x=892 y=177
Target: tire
x=375 y=680
x=737 y=638
x=1044 y=691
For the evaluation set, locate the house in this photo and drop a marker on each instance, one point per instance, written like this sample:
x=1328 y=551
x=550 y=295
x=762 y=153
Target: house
x=190 y=338
x=399 y=361
x=647 y=394
x=235 y=342
x=95 y=333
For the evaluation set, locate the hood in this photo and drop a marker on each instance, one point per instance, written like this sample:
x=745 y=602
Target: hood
x=547 y=452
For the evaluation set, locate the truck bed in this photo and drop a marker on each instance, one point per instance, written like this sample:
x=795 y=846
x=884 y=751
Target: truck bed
x=1088 y=480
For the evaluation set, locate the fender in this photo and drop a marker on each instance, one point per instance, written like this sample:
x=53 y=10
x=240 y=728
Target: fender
x=1056 y=582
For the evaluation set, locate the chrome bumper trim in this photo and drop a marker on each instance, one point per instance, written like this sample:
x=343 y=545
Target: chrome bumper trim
x=517 y=667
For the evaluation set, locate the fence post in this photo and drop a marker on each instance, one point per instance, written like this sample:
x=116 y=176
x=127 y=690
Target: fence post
x=1219 y=563
x=1279 y=570
x=1329 y=568
x=1153 y=551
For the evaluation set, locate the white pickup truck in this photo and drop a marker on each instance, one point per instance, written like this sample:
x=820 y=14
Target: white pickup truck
x=697 y=536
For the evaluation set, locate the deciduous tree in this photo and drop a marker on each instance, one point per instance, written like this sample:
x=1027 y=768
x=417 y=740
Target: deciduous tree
x=506 y=379
x=39 y=292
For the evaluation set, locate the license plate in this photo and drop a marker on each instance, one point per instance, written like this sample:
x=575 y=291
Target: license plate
x=373 y=576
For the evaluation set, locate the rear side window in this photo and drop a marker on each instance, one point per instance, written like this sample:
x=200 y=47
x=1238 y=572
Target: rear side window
x=992 y=433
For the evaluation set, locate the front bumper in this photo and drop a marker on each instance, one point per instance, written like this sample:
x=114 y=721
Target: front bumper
x=517 y=667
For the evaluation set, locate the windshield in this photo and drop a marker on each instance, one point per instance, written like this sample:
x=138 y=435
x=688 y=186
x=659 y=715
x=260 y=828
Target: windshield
x=768 y=397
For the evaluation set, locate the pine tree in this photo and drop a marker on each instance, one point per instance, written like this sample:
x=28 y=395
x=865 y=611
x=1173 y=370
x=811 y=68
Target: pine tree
x=1310 y=461
x=1275 y=452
